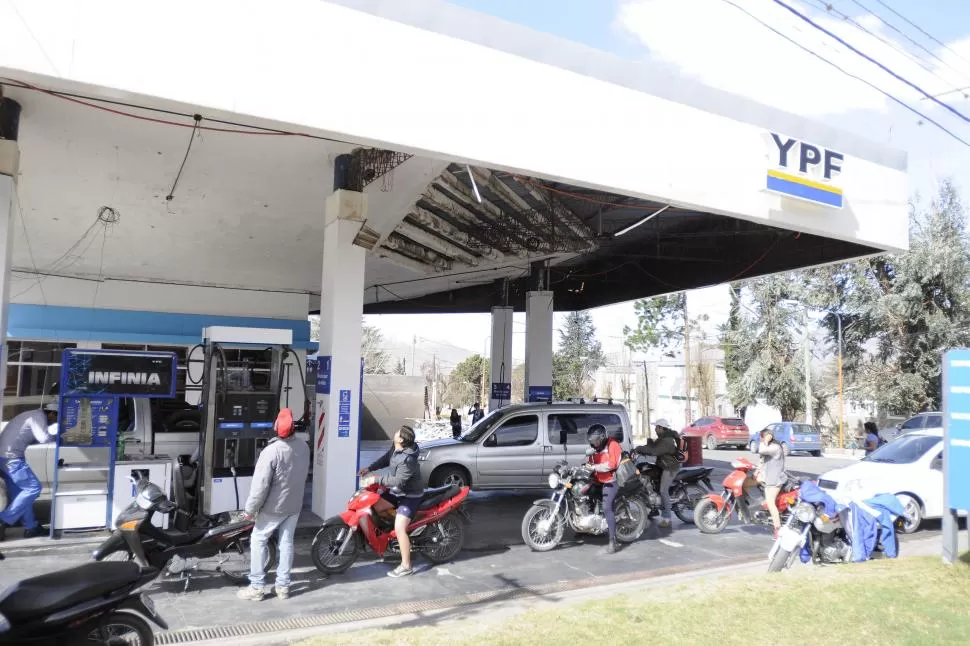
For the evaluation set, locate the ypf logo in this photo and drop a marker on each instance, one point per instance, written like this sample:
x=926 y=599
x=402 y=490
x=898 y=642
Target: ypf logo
x=804 y=171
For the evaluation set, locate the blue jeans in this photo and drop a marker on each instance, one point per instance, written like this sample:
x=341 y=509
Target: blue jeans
x=27 y=488
x=266 y=524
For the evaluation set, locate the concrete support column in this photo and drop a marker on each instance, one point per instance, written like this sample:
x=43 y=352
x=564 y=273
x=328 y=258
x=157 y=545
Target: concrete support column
x=338 y=388
x=538 y=346
x=500 y=371
x=9 y=167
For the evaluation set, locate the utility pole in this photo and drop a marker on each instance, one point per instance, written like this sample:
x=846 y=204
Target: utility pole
x=841 y=392
x=434 y=386
x=414 y=347
x=808 y=370
x=687 y=411
x=646 y=393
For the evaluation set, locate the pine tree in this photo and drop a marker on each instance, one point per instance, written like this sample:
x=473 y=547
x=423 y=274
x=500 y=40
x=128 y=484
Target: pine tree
x=580 y=355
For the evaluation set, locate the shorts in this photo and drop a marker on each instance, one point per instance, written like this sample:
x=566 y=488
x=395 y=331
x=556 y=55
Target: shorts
x=405 y=505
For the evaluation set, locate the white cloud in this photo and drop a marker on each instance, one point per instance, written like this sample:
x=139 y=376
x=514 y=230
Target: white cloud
x=721 y=46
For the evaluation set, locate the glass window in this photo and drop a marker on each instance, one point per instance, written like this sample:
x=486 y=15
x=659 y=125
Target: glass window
x=913 y=423
x=576 y=425
x=904 y=450
x=732 y=421
x=934 y=421
x=33 y=370
x=522 y=430
x=805 y=429
x=704 y=421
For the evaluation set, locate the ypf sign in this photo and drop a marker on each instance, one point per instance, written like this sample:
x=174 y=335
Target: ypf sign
x=804 y=171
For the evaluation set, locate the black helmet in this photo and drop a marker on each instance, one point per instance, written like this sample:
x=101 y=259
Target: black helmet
x=596 y=436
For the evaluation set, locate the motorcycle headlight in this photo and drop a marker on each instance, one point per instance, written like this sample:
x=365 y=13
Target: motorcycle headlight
x=553 y=480
x=804 y=512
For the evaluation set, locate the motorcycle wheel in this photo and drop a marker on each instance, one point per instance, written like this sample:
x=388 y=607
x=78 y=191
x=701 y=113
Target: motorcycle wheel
x=445 y=540
x=122 y=628
x=325 y=545
x=119 y=555
x=708 y=519
x=780 y=561
x=536 y=541
x=631 y=520
x=689 y=496
x=236 y=569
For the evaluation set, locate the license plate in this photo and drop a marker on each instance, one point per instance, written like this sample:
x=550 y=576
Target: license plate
x=149 y=604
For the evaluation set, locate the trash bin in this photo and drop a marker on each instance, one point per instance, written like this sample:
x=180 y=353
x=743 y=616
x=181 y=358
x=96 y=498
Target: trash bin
x=695 y=451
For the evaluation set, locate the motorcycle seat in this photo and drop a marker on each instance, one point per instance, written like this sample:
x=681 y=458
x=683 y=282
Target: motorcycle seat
x=436 y=496
x=688 y=473
x=48 y=593
x=184 y=538
x=231 y=527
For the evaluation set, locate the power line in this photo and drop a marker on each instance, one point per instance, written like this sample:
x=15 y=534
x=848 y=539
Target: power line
x=830 y=8
x=903 y=34
x=922 y=31
x=822 y=29
x=811 y=52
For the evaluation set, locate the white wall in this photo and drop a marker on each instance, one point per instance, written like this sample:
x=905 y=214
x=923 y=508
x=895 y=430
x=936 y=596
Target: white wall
x=561 y=125
x=154 y=297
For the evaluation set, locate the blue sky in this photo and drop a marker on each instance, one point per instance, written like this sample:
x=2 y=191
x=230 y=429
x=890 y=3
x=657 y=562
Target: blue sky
x=720 y=46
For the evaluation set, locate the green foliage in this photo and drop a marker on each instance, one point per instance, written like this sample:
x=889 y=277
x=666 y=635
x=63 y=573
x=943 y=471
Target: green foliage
x=464 y=385
x=660 y=323
x=580 y=355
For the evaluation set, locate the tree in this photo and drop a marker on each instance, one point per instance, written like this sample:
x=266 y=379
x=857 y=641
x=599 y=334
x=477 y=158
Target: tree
x=464 y=385
x=518 y=384
x=733 y=368
x=765 y=345
x=400 y=368
x=901 y=312
x=371 y=346
x=372 y=349
x=580 y=355
x=705 y=385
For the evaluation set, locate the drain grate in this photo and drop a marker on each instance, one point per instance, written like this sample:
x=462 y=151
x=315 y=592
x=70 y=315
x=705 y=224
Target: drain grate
x=382 y=612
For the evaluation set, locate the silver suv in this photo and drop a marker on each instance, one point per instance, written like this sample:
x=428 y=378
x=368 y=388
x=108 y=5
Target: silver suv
x=516 y=447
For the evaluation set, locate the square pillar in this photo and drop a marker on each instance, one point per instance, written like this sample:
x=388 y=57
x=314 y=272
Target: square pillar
x=8 y=191
x=500 y=371
x=538 y=346
x=338 y=386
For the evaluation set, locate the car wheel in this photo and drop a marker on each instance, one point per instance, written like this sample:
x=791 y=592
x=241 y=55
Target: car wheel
x=816 y=454
x=913 y=509
x=711 y=443
x=753 y=446
x=449 y=476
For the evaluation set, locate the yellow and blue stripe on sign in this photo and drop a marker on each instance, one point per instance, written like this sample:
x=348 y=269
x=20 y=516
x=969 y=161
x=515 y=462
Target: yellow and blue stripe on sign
x=805 y=189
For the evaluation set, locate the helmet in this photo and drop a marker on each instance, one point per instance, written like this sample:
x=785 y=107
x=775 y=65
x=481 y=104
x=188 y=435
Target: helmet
x=284 y=423
x=596 y=436
x=663 y=423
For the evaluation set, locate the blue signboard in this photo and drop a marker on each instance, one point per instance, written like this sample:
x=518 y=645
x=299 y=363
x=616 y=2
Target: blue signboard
x=956 y=425
x=540 y=394
x=343 y=415
x=114 y=373
x=501 y=391
x=323 y=375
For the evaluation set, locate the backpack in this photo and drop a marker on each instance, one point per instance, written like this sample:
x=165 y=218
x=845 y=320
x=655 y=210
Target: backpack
x=627 y=473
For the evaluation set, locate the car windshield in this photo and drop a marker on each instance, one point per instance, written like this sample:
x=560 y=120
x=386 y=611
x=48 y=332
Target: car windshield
x=904 y=450
x=480 y=428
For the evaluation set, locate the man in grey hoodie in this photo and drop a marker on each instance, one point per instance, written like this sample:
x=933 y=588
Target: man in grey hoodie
x=275 y=499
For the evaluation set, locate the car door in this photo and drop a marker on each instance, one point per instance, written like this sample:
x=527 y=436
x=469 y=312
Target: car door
x=929 y=476
x=511 y=456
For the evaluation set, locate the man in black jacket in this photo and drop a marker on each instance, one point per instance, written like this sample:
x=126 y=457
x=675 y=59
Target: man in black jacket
x=403 y=482
x=666 y=448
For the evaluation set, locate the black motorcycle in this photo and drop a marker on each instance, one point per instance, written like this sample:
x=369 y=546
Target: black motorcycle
x=577 y=503
x=223 y=539
x=94 y=603
x=689 y=486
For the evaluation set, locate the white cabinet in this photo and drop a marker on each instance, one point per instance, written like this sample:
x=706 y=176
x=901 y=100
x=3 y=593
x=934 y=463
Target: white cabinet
x=157 y=469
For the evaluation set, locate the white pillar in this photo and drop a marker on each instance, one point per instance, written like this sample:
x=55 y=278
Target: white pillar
x=500 y=371
x=538 y=346
x=8 y=189
x=337 y=433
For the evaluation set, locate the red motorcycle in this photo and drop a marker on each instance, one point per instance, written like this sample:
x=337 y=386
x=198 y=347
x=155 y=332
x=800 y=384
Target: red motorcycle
x=436 y=531
x=712 y=513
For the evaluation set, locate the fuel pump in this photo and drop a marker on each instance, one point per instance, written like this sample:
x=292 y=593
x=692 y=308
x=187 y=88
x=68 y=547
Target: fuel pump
x=242 y=383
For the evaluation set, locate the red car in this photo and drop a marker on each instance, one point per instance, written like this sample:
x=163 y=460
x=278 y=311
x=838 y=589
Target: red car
x=719 y=431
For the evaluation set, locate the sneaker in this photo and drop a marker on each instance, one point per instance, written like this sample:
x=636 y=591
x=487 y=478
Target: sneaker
x=249 y=593
x=400 y=571
x=282 y=592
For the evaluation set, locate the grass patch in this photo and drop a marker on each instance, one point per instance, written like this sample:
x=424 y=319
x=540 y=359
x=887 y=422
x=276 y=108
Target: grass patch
x=914 y=601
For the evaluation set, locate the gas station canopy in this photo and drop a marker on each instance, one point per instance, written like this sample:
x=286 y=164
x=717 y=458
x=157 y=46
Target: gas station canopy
x=182 y=164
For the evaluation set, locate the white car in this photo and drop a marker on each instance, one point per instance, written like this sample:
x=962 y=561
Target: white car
x=910 y=466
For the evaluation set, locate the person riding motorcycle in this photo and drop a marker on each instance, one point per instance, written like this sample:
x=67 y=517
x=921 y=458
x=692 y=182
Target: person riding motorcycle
x=604 y=455
x=666 y=448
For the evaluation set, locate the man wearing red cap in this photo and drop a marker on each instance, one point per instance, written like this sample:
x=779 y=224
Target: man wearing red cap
x=275 y=499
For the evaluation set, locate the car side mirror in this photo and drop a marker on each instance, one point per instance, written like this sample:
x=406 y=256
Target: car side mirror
x=937 y=464
x=491 y=441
